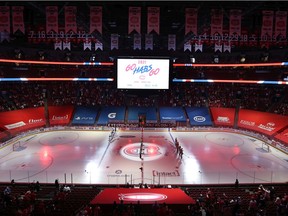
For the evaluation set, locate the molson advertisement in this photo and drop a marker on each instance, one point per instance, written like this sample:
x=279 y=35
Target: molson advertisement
x=263 y=122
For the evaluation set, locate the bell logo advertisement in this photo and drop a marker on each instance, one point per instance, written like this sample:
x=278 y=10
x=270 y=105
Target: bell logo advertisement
x=198 y=116
x=263 y=122
x=172 y=114
x=143 y=73
x=223 y=116
x=60 y=115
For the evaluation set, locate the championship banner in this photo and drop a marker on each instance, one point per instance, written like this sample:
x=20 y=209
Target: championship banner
x=98 y=45
x=280 y=24
x=70 y=19
x=137 y=42
x=17 y=19
x=153 y=20
x=51 y=19
x=5 y=19
x=191 y=18
x=267 y=25
x=134 y=20
x=96 y=19
x=216 y=22
x=223 y=116
x=267 y=123
x=87 y=44
x=114 y=41
x=172 y=42
x=148 y=42
x=235 y=22
x=199 y=46
x=187 y=46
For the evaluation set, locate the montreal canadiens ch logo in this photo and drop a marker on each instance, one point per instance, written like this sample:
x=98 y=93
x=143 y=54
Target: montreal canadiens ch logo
x=142 y=197
x=150 y=151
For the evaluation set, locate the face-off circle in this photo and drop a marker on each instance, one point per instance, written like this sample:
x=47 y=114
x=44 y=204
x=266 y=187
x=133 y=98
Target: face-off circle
x=149 y=152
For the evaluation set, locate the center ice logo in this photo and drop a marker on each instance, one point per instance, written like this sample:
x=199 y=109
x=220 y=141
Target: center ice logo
x=150 y=151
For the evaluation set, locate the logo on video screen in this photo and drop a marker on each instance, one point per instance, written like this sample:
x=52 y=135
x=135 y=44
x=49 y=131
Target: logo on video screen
x=149 y=152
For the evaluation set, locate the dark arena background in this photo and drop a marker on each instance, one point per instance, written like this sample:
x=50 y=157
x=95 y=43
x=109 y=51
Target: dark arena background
x=143 y=108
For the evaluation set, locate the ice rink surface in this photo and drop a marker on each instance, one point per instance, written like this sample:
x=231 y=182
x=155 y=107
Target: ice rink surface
x=109 y=157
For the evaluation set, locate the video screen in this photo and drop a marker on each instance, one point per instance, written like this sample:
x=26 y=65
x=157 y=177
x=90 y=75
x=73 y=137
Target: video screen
x=143 y=73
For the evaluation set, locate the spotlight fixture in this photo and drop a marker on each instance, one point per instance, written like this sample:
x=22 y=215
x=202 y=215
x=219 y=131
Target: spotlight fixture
x=216 y=59
x=93 y=57
x=242 y=58
x=68 y=56
x=41 y=55
x=18 y=54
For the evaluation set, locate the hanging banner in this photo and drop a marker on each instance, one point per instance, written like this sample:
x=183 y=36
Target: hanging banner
x=137 y=42
x=227 y=47
x=70 y=19
x=5 y=19
x=172 y=42
x=87 y=44
x=187 y=46
x=96 y=19
x=235 y=23
x=218 y=46
x=199 y=46
x=267 y=25
x=216 y=23
x=114 y=41
x=66 y=44
x=149 y=42
x=223 y=116
x=153 y=20
x=58 y=44
x=280 y=24
x=98 y=45
x=191 y=18
x=51 y=19
x=134 y=20
x=17 y=19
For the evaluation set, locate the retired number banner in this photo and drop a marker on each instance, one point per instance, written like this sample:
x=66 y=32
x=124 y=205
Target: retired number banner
x=51 y=19
x=191 y=16
x=153 y=21
x=134 y=20
x=4 y=19
x=70 y=19
x=17 y=19
x=95 y=19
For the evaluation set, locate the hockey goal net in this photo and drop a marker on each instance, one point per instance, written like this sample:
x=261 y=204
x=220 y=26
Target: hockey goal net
x=18 y=146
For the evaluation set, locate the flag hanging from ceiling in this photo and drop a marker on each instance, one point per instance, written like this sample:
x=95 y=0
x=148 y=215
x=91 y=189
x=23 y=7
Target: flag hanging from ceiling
x=70 y=19
x=5 y=19
x=172 y=42
x=137 y=42
x=153 y=20
x=191 y=16
x=95 y=19
x=235 y=22
x=98 y=45
x=17 y=19
x=280 y=24
x=216 y=22
x=114 y=41
x=199 y=46
x=187 y=46
x=267 y=25
x=134 y=20
x=148 y=42
x=51 y=19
